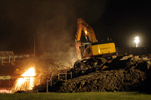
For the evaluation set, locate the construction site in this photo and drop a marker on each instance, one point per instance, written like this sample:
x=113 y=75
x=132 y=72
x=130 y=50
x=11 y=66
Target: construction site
x=94 y=66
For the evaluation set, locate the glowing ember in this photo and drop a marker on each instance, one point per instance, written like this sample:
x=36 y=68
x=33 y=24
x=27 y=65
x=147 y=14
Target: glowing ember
x=26 y=83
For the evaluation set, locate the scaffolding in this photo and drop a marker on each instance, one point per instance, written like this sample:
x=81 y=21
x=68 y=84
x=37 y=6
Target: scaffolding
x=7 y=57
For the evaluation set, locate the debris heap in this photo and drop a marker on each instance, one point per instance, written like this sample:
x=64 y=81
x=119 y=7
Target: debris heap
x=119 y=75
x=113 y=80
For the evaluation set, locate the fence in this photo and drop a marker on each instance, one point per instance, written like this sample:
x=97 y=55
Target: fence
x=62 y=75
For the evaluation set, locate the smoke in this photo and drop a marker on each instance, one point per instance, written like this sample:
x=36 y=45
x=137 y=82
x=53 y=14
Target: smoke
x=53 y=22
x=56 y=35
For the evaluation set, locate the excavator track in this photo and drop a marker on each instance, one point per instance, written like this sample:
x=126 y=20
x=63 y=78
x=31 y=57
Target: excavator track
x=87 y=66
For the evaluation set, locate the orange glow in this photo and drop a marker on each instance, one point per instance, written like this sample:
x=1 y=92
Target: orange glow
x=26 y=83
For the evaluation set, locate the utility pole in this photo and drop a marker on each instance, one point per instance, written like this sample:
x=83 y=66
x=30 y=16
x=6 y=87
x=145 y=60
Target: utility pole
x=34 y=46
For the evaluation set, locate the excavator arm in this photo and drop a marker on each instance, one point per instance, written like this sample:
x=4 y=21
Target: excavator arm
x=83 y=26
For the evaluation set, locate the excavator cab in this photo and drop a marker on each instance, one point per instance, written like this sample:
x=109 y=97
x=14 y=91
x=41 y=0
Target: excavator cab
x=84 y=50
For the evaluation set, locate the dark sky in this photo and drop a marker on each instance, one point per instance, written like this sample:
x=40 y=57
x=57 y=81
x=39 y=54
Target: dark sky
x=123 y=20
x=54 y=23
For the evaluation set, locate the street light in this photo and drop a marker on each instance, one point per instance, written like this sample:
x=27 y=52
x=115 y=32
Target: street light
x=136 y=41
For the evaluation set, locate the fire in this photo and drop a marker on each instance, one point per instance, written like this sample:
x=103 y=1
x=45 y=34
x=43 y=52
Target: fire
x=26 y=83
x=30 y=72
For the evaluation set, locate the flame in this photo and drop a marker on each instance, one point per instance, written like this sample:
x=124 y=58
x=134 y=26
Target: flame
x=26 y=83
x=30 y=72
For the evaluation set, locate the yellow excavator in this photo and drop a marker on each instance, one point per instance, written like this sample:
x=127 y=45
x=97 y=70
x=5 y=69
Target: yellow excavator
x=91 y=53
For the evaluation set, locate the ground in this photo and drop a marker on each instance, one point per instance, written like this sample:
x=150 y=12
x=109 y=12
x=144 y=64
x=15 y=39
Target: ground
x=77 y=96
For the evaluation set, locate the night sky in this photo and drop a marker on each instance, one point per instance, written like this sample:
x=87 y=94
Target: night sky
x=54 y=23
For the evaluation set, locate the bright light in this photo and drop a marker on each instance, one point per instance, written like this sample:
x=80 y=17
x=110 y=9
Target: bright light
x=26 y=83
x=136 y=41
x=86 y=33
x=30 y=72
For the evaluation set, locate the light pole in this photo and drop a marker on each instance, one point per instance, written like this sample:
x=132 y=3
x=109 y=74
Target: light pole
x=136 y=41
x=34 y=46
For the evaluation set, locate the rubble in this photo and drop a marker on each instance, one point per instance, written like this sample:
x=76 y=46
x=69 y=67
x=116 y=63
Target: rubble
x=113 y=80
x=131 y=74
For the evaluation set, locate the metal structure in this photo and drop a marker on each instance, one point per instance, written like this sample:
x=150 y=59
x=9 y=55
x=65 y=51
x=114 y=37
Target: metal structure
x=7 y=57
x=61 y=76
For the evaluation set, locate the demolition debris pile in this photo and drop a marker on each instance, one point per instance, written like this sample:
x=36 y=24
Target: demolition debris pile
x=114 y=80
x=119 y=75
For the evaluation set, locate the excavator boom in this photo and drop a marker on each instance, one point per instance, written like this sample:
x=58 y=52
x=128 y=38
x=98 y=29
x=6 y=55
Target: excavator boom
x=83 y=26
